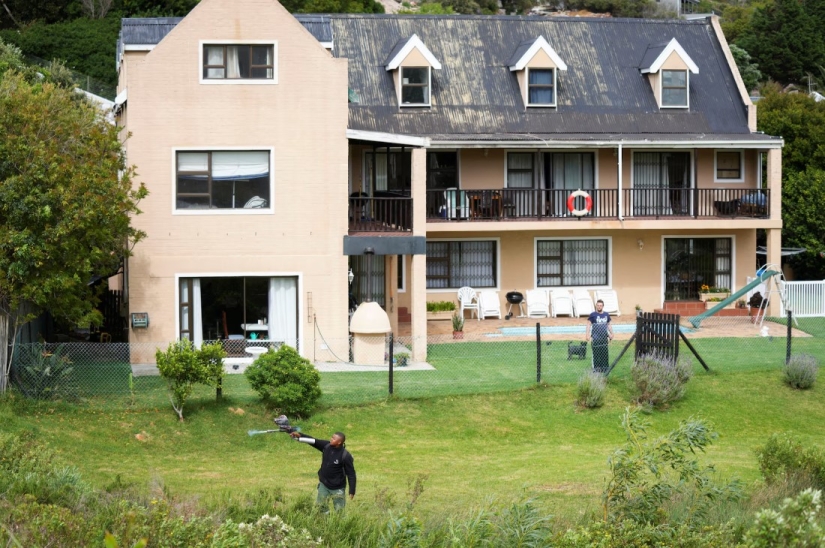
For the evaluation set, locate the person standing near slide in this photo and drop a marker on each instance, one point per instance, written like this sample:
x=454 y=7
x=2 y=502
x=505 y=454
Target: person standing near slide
x=599 y=333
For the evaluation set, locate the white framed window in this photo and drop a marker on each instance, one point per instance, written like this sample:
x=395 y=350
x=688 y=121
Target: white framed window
x=223 y=181
x=674 y=88
x=541 y=87
x=578 y=262
x=452 y=264
x=729 y=166
x=402 y=274
x=233 y=62
x=415 y=86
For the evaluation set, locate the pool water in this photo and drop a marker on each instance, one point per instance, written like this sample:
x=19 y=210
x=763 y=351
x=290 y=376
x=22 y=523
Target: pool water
x=569 y=329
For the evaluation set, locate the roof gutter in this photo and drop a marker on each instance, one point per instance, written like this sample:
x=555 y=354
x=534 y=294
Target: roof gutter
x=642 y=143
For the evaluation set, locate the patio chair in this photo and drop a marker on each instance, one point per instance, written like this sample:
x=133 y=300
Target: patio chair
x=489 y=305
x=538 y=303
x=582 y=302
x=561 y=302
x=468 y=300
x=611 y=301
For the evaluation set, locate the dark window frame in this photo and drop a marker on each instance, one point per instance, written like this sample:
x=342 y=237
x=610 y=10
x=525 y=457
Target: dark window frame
x=251 y=66
x=739 y=177
x=551 y=87
x=426 y=85
x=445 y=261
x=208 y=174
x=560 y=276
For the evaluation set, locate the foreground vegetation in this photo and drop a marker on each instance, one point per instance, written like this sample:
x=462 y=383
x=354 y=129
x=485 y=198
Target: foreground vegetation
x=525 y=461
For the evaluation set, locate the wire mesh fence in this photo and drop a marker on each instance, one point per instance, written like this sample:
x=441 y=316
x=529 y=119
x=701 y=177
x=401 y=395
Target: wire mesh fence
x=489 y=357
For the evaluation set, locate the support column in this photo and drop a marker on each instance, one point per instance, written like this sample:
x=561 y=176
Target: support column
x=774 y=235
x=418 y=267
x=391 y=289
x=774 y=256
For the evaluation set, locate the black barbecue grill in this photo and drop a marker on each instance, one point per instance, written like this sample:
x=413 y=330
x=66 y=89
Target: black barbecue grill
x=514 y=298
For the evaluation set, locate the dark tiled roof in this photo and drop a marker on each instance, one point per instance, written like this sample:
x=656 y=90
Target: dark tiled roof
x=520 y=51
x=317 y=25
x=602 y=92
x=652 y=53
x=476 y=96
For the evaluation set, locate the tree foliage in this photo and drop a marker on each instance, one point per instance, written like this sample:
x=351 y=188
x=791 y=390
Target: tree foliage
x=800 y=121
x=786 y=38
x=66 y=198
x=183 y=366
x=748 y=70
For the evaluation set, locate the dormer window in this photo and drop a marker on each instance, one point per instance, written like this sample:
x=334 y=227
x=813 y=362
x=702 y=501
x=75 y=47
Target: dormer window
x=674 y=88
x=668 y=68
x=415 y=86
x=541 y=87
x=537 y=65
x=411 y=65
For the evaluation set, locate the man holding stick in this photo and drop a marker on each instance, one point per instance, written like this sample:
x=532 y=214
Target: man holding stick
x=337 y=469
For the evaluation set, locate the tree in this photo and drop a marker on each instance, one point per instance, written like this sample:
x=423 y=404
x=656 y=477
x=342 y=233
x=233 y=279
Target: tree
x=66 y=201
x=786 y=39
x=751 y=75
x=800 y=121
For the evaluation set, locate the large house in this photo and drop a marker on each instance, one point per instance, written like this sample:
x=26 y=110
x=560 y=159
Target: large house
x=427 y=153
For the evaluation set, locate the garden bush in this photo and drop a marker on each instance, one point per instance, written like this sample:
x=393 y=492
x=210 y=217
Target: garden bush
x=796 y=523
x=440 y=306
x=659 y=379
x=46 y=375
x=590 y=390
x=182 y=368
x=285 y=380
x=800 y=371
x=784 y=458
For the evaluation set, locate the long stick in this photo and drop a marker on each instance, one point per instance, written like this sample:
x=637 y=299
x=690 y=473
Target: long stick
x=255 y=432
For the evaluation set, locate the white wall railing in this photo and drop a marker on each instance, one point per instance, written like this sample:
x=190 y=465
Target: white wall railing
x=806 y=298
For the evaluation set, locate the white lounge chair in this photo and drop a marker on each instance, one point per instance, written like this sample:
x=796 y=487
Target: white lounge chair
x=582 y=302
x=561 y=302
x=538 y=303
x=611 y=301
x=489 y=305
x=468 y=300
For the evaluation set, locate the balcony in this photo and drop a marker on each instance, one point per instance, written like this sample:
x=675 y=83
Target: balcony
x=453 y=205
x=383 y=213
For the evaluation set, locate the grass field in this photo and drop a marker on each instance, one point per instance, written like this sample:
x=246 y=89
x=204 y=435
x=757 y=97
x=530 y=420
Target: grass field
x=532 y=442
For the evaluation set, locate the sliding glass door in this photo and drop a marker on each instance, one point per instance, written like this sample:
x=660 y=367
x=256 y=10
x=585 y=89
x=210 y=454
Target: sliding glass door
x=242 y=308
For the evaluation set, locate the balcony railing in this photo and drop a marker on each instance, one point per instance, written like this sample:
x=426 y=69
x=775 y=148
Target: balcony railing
x=373 y=214
x=539 y=204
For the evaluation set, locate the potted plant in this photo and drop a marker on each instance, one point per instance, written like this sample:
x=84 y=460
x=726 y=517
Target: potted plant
x=638 y=310
x=440 y=310
x=401 y=360
x=741 y=304
x=458 y=326
x=707 y=293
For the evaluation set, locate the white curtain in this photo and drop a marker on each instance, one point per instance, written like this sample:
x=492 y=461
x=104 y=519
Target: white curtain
x=214 y=56
x=233 y=67
x=197 y=319
x=283 y=310
x=381 y=171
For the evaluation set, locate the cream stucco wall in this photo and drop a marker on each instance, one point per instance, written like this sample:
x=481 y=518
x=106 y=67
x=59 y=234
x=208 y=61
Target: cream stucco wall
x=301 y=119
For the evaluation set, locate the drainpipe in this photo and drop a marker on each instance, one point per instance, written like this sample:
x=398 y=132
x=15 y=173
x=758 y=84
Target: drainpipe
x=619 y=181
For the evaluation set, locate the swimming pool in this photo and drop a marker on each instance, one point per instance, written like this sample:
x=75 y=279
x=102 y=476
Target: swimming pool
x=567 y=330
x=562 y=329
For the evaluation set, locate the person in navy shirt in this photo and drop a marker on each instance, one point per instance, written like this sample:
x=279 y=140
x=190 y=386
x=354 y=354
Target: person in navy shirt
x=599 y=333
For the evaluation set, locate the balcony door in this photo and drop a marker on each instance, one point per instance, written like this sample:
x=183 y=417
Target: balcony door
x=661 y=184
x=566 y=172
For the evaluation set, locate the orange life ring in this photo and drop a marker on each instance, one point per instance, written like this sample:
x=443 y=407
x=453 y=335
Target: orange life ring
x=588 y=203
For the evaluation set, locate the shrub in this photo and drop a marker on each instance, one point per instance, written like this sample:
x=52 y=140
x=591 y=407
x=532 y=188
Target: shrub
x=440 y=306
x=630 y=533
x=401 y=359
x=784 y=458
x=47 y=375
x=212 y=355
x=648 y=475
x=800 y=371
x=285 y=380
x=590 y=390
x=182 y=367
x=660 y=379
x=795 y=524
x=266 y=531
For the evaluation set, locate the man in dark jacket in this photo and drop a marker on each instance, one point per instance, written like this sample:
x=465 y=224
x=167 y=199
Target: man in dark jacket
x=337 y=469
